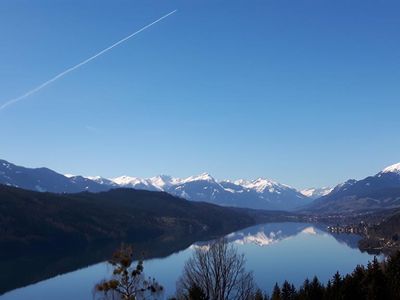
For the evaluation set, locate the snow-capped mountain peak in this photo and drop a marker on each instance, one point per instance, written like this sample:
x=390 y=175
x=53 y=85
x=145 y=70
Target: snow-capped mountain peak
x=70 y=175
x=137 y=183
x=201 y=177
x=128 y=180
x=261 y=185
x=241 y=182
x=258 y=194
x=102 y=180
x=315 y=193
x=164 y=181
x=392 y=169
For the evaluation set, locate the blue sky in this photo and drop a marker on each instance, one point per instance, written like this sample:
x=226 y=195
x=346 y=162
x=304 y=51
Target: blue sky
x=303 y=92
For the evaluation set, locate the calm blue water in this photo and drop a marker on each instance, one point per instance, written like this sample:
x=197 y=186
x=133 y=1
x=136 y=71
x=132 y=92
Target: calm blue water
x=274 y=252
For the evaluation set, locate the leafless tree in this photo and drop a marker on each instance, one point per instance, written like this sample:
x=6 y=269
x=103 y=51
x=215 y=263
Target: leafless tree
x=219 y=271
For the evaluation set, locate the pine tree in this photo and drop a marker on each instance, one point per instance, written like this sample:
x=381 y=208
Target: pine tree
x=288 y=291
x=308 y=291
x=393 y=274
x=336 y=288
x=276 y=294
x=376 y=281
x=328 y=295
x=316 y=289
x=304 y=290
x=260 y=296
x=353 y=285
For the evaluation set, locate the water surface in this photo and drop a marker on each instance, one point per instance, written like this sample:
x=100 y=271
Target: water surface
x=274 y=252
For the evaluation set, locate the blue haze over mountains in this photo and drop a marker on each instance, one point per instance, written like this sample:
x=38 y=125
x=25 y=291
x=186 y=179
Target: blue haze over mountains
x=374 y=192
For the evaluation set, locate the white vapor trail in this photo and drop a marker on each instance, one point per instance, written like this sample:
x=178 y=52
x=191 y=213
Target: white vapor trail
x=43 y=85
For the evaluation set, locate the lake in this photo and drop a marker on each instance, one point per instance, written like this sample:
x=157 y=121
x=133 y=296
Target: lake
x=274 y=252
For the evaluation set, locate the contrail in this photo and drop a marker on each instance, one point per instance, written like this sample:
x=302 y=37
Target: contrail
x=43 y=85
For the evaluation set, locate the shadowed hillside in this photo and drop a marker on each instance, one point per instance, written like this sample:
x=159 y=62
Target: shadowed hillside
x=32 y=220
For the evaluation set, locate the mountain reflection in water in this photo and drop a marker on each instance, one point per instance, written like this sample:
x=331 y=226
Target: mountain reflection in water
x=274 y=252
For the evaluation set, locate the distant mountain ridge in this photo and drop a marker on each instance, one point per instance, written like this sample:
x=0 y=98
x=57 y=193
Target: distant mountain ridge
x=370 y=193
x=381 y=191
x=258 y=194
x=45 y=180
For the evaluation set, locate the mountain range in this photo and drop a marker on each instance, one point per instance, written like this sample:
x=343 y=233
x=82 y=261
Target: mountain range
x=258 y=194
x=379 y=191
x=45 y=180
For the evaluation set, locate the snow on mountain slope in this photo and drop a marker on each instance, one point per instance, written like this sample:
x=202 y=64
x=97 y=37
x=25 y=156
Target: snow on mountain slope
x=69 y=175
x=127 y=180
x=392 y=169
x=260 y=193
x=261 y=185
x=315 y=193
x=102 y=180
x=201 y=177
x=164 y=181
x=136 y=183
